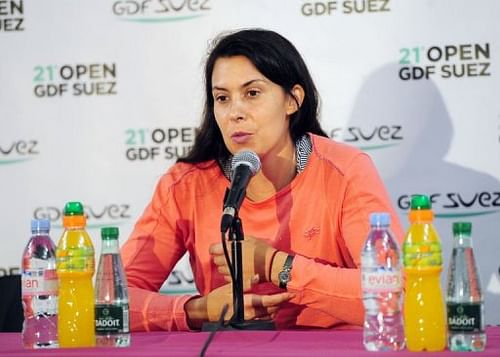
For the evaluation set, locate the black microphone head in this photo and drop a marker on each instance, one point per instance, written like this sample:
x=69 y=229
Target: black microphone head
x=248 y=158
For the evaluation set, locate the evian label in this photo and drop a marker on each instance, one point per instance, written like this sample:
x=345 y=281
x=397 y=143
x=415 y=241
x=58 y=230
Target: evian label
x=378 y=280
x=39 y=282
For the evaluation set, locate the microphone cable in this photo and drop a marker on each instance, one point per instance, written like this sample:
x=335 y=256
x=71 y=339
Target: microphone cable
x=211 y=336
x=228 y=260
x=225 y=307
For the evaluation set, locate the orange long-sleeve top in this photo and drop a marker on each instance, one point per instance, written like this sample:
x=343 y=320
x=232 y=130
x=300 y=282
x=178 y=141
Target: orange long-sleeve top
x=321 y=217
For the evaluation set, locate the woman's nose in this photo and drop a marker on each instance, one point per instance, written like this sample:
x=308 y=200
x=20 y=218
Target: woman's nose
x=237 y=110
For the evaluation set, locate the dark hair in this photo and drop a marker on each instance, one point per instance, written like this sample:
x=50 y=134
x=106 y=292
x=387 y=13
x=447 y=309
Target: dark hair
x=279 y=61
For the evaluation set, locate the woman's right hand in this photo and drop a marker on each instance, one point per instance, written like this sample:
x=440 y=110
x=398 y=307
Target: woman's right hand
x=209 y=307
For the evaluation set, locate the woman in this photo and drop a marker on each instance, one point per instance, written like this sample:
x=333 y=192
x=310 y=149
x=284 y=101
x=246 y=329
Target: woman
x=305 y=212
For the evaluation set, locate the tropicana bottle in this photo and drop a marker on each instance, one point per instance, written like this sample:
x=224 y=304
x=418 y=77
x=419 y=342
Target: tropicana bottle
x=424 y=309
x=75 y=268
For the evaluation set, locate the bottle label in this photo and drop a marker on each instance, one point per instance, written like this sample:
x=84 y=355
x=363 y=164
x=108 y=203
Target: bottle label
x=380 y=280
x=39 y=282
x=76 y=259
x=464 y=317
x=422 y=255
x=111 y=319
x=41 y=305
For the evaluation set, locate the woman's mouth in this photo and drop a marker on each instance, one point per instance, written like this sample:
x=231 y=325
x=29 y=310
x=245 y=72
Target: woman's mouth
x=241 y=137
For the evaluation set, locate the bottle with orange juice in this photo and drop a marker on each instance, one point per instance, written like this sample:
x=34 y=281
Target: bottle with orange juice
x=75 y=263
x=424 y=308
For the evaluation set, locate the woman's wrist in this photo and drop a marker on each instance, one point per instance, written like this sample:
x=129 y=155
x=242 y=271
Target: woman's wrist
x=269 y=265
x=196 y=312
x=277 y=266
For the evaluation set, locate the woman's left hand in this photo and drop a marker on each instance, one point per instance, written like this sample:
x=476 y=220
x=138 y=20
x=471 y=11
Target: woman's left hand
x=256 y=258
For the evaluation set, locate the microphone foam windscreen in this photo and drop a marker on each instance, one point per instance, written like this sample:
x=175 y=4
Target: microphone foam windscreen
x=248 y=158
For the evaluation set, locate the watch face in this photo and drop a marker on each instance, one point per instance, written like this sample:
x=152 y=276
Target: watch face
x=284 y=276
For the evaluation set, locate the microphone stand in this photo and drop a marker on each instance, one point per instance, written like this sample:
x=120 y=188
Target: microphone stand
x=236 y=237
x=237 y=321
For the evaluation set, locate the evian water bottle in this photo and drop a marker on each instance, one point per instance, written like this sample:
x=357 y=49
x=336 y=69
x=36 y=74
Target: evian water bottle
x=381 y=282
x=39 y=288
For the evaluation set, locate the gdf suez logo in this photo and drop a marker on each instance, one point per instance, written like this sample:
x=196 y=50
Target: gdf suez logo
x=97 y=216
x=369 y=138
x=456 y=204
x=11 y=15
x=178 y=277
x=320 y=8
x=179 y=282
x=146 y=144
x=4 y=271
x=160 y=10
x=94 y=79
x=448 y=61
x=18 y=151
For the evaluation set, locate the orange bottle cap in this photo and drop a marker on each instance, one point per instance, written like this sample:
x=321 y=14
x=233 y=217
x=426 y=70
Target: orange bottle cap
x=421 y=215
x=74 y=221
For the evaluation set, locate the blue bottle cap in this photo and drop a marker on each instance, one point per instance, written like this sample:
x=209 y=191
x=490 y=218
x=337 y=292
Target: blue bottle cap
x=40 y=225
x=380 y=219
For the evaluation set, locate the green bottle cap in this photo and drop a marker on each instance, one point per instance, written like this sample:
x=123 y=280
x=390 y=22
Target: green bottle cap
x=462 y=228
x=420 y=202
x=108 y=233
x=73 y=209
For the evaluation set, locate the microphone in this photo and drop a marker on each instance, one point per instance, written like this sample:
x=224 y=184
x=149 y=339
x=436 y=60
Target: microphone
x=244 y=166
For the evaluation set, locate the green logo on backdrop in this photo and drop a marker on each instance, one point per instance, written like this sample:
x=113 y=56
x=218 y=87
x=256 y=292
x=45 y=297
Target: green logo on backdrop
x=160 y=11
x=18 y=151
x=456 y=205
x=369 y=138
x=112 y=214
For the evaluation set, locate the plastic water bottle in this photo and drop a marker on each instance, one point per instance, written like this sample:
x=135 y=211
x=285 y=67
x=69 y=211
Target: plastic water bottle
x=381 y=282
x=75 y=268
x=464 y=299
x=424 y=307
x=39 y=288
x=111 y=294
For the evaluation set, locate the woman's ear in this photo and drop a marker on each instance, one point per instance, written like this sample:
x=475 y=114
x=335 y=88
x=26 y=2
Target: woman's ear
x=295 y=99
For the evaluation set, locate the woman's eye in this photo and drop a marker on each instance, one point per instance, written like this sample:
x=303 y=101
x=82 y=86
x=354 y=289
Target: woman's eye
x=220 y=98
x=253 y=93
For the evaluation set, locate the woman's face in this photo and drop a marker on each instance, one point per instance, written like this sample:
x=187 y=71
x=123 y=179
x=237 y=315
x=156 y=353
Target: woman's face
x=251 y=111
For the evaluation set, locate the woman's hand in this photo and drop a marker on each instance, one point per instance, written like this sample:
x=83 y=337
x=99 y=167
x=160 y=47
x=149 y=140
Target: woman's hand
x=209 y=307
x=256 y=259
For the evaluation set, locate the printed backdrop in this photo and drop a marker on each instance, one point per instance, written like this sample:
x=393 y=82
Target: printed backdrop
x=99 y=97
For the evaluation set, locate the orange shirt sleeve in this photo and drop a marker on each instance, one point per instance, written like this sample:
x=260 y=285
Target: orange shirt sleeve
x=336 y=291
x=149 y=256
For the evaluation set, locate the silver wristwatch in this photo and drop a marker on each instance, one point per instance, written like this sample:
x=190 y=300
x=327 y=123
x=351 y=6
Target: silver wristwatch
x=285 y=274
